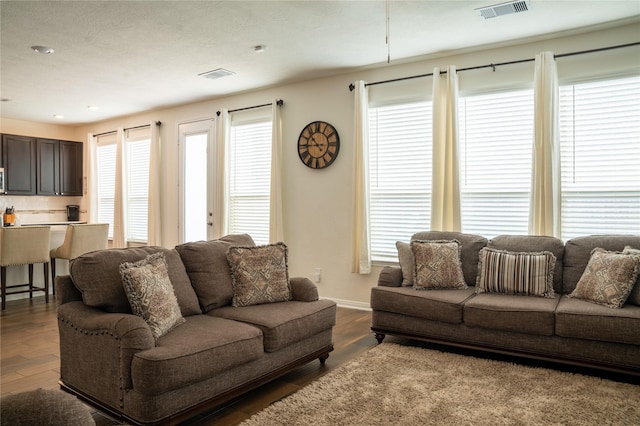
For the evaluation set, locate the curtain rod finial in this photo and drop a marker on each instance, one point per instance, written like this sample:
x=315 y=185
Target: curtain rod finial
x=158 y=123
x=352 y=87
x=218 y=113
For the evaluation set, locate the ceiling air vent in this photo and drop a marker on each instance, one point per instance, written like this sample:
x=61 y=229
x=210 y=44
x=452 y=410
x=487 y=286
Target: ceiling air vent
x=507 y=8
x=217 y=73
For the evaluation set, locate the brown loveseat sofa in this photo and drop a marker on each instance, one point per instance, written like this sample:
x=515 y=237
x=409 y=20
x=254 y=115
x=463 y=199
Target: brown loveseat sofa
x=110 y=358
x=558 y=328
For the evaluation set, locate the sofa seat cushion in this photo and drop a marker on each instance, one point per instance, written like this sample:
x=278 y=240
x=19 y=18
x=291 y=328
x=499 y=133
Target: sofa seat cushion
x=436 y=305
x=197 y=350
x=521 y=314
x=283 y=323
x=581 y=319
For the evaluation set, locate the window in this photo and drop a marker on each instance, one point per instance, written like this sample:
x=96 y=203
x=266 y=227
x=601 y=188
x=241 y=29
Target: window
x=496 y=134
x=399 y=175
x=137 y=189
x=249 y=179
x=600 y=150
x=137 y=146
x=106 y=153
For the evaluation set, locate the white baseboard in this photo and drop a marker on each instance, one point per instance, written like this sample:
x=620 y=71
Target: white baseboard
x=351 y=304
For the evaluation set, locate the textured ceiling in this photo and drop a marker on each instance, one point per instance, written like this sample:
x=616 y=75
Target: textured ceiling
x=132 y=56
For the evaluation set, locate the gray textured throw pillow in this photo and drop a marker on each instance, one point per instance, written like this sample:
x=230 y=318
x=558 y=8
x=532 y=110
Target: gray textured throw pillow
x=259 y=274
x=407 y=263
x=150 y=293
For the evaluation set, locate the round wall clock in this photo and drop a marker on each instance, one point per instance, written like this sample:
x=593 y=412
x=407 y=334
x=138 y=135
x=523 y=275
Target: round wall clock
x=318 y=144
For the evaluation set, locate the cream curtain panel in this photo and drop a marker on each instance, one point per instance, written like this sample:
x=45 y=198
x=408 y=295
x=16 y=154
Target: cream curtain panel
x=92 y=184
x=276 y=224
x=120 y=198
x=223 y=130
x=361 y=256
x=445 y=196
x=545 y=201
x=154 y=219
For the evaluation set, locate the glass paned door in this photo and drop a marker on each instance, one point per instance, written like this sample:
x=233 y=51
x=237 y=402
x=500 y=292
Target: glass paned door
x=197 y=181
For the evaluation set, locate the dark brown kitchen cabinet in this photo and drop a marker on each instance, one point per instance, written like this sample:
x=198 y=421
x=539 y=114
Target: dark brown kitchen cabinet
x=19 y=162
x=70 y=168
x=48 y=162
x=59 y=167
x=41 y=166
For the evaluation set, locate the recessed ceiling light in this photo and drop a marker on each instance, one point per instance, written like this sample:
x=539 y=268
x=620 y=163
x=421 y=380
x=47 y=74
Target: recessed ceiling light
x=93 y=107
x=42 y=49
x=259 y=48
x=58 y=116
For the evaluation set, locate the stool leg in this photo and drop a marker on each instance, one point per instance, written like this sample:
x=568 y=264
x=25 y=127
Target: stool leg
x=46 y=282
x=53 y=275
x=3 y=278
x=31 y=281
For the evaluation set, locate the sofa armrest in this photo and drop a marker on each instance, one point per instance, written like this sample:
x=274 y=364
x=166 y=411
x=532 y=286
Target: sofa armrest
x=390 y=276
x=303 y=290
x=97 y=349
x=66 y=290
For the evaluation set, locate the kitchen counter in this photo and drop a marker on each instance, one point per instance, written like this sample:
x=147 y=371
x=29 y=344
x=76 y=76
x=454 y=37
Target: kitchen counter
x=54 y=223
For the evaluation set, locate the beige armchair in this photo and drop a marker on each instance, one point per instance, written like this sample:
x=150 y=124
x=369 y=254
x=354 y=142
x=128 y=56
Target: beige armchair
x=78 y=240
x=24 y=245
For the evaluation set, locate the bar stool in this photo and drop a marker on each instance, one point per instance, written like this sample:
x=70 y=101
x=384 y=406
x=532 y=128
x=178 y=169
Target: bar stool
x=79 y=239
x=24 y=245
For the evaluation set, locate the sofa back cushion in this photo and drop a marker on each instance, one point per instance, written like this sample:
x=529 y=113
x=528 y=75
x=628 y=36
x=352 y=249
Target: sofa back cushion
x=208 y=268
x=97 y=276
x=471 y=246
x=534 y=243
x=578 y=252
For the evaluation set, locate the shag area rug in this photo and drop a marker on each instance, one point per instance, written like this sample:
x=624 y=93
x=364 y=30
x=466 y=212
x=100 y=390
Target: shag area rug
x=392 y=384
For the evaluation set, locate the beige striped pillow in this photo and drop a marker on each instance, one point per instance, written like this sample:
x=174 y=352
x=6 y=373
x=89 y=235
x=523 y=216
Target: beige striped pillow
x=524 y=273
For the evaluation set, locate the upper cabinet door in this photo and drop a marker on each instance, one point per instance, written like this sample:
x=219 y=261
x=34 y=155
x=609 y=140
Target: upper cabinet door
x=48 y=166
x=19 y=160
x=70 y=168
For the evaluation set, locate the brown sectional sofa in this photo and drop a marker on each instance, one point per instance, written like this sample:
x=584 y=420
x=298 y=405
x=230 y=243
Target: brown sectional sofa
x=560 y=329
x=109 y=357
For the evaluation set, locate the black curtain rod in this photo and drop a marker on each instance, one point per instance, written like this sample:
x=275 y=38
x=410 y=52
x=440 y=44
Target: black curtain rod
x=562 y=55
x=279 y=102
x=158 y=123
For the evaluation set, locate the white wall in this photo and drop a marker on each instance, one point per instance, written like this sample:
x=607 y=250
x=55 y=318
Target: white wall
x=318 y=203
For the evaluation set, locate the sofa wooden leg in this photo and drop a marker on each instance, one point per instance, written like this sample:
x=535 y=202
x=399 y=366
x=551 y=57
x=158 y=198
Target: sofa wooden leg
x=323 y=358
x=380 y=337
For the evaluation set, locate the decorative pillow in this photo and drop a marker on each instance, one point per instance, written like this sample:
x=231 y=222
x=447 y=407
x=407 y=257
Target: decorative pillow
x=608 y=278
x=259 y=274
x=438 y=265
x=524 y=273
x=634 y=297
x=407 y=263
x=150 y=293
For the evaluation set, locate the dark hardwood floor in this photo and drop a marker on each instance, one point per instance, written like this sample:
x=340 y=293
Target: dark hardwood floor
x=30 y=359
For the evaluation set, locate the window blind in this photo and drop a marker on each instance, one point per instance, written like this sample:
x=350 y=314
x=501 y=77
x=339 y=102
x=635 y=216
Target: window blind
x=106 y=175
x=399 y=175
x=600 y=150
x=249 y=180
x=138 y=190
x=496 y=134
